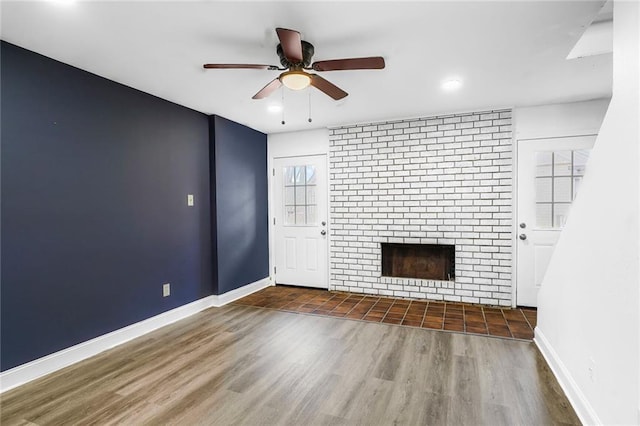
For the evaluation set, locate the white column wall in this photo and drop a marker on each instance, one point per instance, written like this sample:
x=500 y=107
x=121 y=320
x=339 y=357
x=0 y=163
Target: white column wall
x=588 y=321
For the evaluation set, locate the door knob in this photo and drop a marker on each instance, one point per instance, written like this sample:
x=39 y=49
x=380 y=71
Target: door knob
x=324 y=223
x=523 y=225
x=323 y=232
x=523 y=237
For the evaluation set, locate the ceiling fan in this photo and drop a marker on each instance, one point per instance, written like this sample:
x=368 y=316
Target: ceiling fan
x=295 y=56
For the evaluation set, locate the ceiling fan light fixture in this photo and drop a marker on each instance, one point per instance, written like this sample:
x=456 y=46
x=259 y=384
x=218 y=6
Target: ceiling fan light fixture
x=295 y=80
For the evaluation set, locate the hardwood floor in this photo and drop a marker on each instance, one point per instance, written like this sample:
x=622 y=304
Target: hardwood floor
x=246 y=365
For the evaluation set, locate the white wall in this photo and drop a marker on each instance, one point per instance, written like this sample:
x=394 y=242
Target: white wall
x=588 y=304
x=559 y=120
x=308 y=142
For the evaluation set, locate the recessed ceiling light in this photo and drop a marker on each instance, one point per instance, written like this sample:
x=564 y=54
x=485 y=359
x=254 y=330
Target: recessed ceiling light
x=452 y=84
x=274 y=108
x=63 y=2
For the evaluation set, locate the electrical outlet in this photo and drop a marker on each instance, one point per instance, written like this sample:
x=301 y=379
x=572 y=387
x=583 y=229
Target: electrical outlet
x=189 y=200
x=166 y=289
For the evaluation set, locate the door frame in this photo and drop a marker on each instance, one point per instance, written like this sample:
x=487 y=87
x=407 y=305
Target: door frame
x=292 y=145
x=515 y=198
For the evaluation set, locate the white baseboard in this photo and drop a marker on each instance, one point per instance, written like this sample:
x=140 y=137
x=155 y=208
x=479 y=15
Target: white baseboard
x=48 y=364
x=579 y=402
x=241 y=292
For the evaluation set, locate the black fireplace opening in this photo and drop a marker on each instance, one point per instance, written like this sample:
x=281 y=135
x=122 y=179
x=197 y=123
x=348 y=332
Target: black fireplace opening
x=422 y=261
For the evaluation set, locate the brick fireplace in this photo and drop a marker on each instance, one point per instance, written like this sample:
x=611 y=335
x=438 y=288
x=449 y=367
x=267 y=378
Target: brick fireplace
x=444 y=180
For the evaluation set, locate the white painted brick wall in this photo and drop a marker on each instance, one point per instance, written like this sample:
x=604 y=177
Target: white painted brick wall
x=434 y=180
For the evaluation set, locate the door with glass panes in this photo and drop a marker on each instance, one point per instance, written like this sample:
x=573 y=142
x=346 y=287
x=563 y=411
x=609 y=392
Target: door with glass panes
x=549 y=175
x=300 y=221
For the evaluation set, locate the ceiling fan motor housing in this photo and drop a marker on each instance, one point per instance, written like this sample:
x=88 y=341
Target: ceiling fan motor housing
x=307 y=54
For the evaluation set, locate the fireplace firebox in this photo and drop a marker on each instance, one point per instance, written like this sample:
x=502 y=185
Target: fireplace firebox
x=422 y=261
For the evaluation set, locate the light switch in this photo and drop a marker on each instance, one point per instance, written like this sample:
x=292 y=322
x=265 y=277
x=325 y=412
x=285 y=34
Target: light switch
x=190 y=199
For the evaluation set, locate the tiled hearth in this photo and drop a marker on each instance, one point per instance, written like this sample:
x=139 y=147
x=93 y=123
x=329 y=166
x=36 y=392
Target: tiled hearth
x=435 y=315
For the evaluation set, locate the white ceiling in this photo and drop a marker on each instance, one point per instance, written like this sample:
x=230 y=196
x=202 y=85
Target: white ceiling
x=506 y=53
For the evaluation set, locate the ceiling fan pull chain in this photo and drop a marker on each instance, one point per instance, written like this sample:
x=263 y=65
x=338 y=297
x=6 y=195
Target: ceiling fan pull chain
x=282 y=91
x=309 y=91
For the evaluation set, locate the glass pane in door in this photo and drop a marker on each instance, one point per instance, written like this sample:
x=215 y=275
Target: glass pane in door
x=544 y=189
x=560 y=214
x=558 y=175
x=562 y=192
x=562 y=165
x=544 y=163
x=300 y=195
x=543 y=215
x=580 y=158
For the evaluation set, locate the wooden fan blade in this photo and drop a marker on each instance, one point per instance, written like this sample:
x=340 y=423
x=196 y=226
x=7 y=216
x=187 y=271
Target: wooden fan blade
x=236 y=66
x=327 y=87
x=268 y=89
x=370 y=63
x=291 y=44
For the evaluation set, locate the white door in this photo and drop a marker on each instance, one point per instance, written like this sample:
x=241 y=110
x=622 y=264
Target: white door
x=549 y=176
x=300 y=222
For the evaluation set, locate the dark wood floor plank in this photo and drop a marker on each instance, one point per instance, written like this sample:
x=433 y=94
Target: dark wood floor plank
x=245 y=365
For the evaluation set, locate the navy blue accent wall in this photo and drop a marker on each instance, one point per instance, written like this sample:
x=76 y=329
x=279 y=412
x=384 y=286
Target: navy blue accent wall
x=212 y=203
x=240 y=174
x=95 y=177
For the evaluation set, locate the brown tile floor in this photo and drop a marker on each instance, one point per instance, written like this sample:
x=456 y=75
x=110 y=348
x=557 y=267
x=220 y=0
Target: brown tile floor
x=458 y=317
